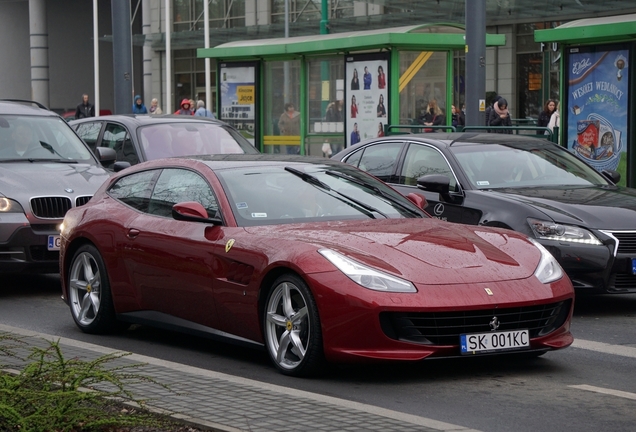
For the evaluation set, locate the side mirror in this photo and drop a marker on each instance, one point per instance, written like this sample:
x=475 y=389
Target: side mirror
x=121 y=165
x=418 y=200
x=434 y=183
x=193 y=211
x=611 y=175
x=106 y=155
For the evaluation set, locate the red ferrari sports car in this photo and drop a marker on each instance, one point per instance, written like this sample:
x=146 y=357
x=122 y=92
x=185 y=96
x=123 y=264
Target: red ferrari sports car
x=311 y=258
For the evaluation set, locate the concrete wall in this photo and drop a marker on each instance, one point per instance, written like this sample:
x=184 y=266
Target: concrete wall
x=15 y=67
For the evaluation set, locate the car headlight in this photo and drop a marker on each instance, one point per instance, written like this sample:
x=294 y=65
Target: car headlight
x=9 y=206
x=366 y=276
x=548 y=270
x=549 y=230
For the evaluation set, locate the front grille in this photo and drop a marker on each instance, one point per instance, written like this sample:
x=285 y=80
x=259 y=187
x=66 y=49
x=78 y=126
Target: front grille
x=623 y=282
x=80 y=201
x=444 y=328
x=50 y=207
x=626 y=241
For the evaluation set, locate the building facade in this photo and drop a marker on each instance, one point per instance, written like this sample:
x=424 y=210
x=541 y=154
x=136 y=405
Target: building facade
x=48 y=46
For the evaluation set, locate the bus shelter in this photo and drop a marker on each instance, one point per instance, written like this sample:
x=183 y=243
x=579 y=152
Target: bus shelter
x=597 y=88
x=317 y=94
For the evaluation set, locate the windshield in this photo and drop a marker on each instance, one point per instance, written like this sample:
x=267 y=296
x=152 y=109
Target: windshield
x=191 y=138
x=37 y=138
x=491 y=166
x=296 y=193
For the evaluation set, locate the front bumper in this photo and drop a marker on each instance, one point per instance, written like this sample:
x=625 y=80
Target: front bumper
x=596 y=269
x=353 y=327
x=26 y=250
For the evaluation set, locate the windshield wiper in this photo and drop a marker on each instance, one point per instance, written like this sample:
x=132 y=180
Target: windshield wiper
x=50 y=148
x=373 y=188
x=364 y=208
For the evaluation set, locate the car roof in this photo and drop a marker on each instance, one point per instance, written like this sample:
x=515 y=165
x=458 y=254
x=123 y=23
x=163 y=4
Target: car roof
x=455 y=139
x=147 y=119
x=24 y=108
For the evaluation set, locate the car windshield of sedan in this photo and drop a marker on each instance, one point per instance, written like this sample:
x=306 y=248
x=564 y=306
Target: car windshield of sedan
x=38 y=138
x=296 y=193
x=191 y=138
x=493 y=166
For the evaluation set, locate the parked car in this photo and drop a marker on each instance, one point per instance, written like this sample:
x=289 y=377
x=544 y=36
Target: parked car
x=140 y=138
x=45 y=170
x=311 y=258
x=70 y=114
x=522 y=183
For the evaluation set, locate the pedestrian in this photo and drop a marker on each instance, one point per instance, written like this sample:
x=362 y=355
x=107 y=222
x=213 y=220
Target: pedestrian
x=185 y=108
x=85 y=109
x=499 y=116
x=555 y=119
x=434 y=116
x=289 y=124
x=138 y=106
x=154 y=107
x=193 y=107
x=489 y=109
x=202 y=111
x=335 y=112
x=544 y=117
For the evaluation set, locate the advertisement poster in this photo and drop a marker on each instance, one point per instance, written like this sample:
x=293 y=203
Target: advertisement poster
x=238 y=98
x=597 y=106
x=367 y=107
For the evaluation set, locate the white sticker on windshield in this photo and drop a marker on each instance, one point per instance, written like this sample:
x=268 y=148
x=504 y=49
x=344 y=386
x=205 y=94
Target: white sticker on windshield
x=241 y=205
x=483 y=183
x=259 y=215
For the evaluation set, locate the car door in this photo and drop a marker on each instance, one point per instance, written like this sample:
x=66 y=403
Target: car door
x=378 y=159
x=420 y=160
x=172 y=260
x=89 y=132
x=118 y=137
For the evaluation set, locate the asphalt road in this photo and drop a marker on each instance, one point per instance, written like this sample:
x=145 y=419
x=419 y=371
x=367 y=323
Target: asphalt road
x=588 y=387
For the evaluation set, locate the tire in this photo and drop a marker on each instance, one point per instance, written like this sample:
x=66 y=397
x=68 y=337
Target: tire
x=293 y=337
x=90 y=298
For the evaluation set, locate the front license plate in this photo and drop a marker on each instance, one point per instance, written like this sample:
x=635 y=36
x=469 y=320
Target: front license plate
x=494 y=341
x=54 y=242
x=634 y=266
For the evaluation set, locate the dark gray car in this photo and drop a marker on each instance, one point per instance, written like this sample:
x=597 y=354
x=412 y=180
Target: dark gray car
x=141 y=138
x=45 y=169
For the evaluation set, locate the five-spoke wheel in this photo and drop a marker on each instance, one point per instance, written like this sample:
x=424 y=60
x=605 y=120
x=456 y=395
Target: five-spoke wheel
x=292 y=327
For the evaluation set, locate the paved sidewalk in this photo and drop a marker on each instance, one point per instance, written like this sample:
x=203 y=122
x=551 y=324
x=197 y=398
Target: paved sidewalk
x=222 y=402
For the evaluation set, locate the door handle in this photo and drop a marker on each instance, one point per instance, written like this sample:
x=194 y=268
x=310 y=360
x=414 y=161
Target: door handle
x=132 y=233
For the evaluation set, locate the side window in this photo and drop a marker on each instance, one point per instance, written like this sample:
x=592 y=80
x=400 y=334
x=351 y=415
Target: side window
x=423 y=160
x=89 y=132
x=380 y=159
x=180 y=185
x=354 y=158
x=117 y=137
x=135 y=189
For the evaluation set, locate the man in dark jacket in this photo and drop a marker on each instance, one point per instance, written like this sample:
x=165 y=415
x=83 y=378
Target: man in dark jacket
x=489 y=108
x=85 y=109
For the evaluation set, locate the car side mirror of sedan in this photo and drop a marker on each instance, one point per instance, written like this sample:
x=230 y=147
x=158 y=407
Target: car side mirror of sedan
x=106 y=155
x=611 y=175
x=193 y=211
x=418 y=200
x=434 y=183
x=120 y=165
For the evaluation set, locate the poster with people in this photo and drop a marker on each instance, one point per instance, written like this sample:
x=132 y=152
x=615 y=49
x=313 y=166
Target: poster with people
x=598 y=89
x=367 y=108
x=237 y=96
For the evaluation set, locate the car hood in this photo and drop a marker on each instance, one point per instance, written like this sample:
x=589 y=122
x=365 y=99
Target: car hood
x=25 y=180
x=424 y=251
x=599 y=207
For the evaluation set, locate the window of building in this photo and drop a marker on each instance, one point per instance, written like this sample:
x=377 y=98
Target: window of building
x=428 y=83
x=188 y=14
x=309 y=10
x=189 y=78
x=282 y=89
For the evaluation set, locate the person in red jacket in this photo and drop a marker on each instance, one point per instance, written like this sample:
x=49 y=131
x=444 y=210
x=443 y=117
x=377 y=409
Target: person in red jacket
x=354 y=107
x=185 y=108
x=381 y=78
